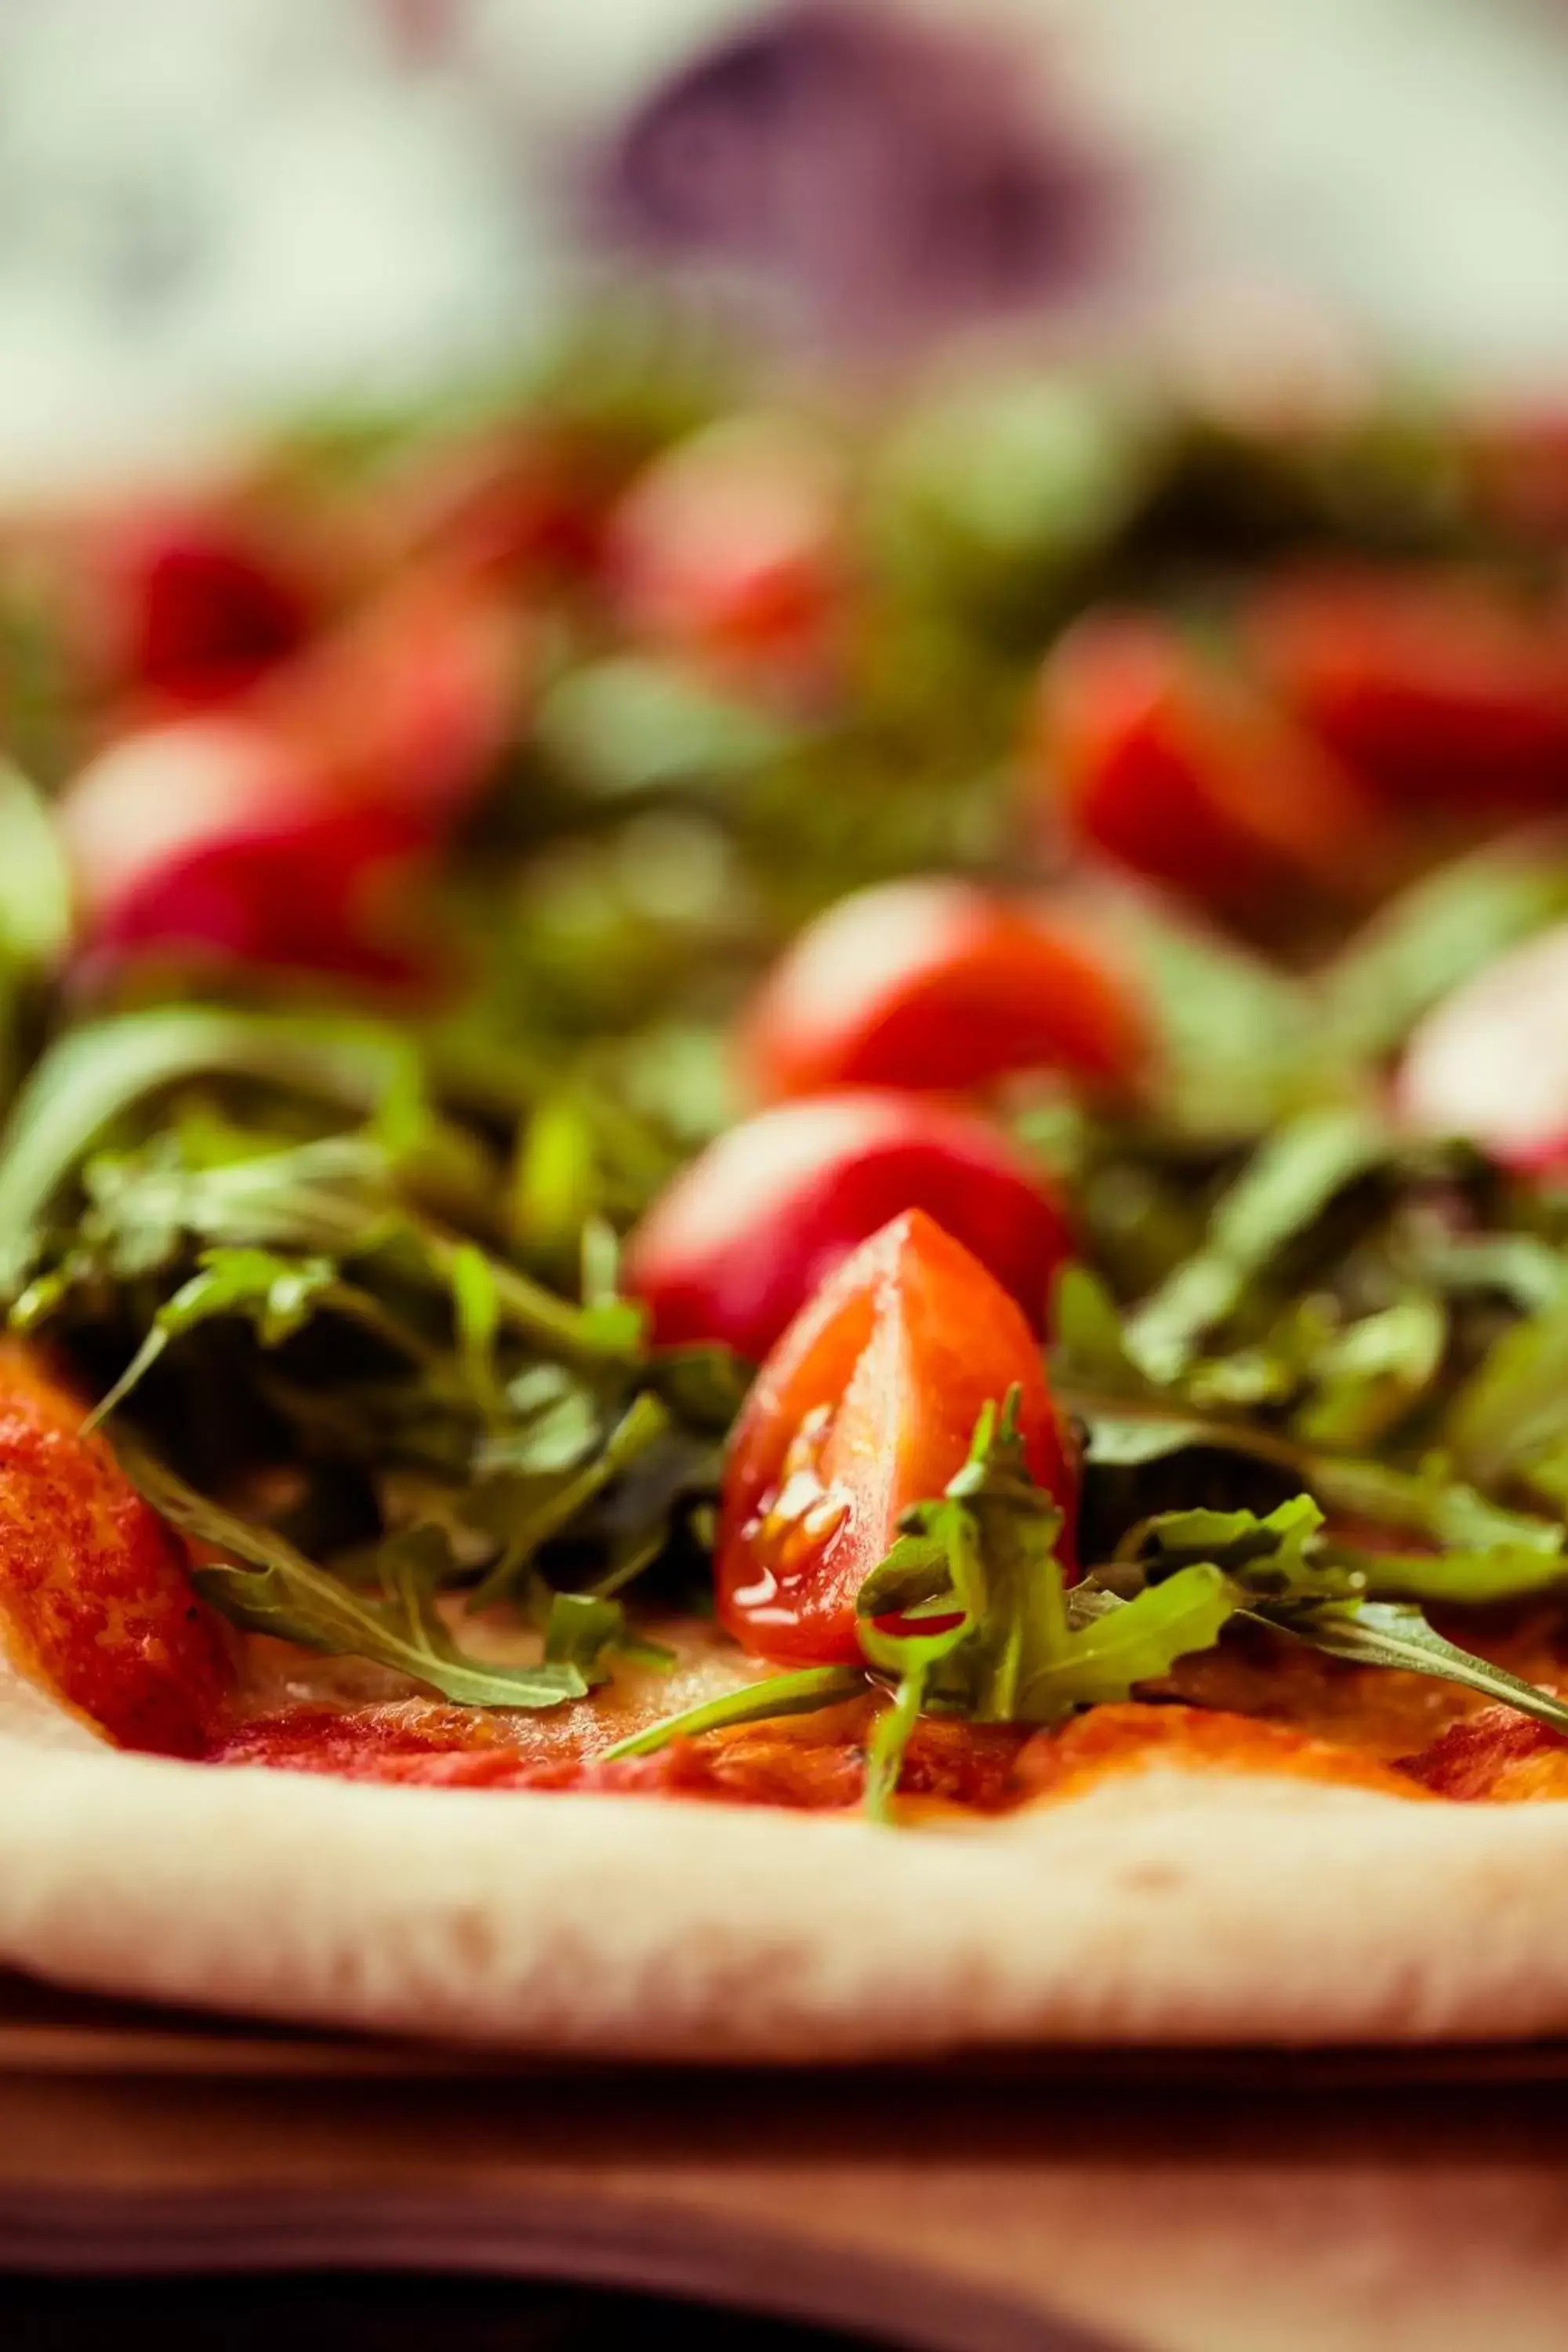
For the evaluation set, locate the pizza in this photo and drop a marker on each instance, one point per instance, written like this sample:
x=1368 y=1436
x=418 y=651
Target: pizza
x=758 y=1306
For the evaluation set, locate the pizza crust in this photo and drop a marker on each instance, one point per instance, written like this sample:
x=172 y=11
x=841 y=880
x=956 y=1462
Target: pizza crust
x=1163 y=1906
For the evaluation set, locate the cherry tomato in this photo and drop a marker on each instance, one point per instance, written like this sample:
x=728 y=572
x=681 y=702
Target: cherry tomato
x=867 y=1405
x=731 y=547
x=939 y=983
x=199 y=607
x=1438 y=688
x=516 y=505
x=1179 y=770
x=219 y=836
x=1491 y=1061
x=746 y=1234
x=412 y=701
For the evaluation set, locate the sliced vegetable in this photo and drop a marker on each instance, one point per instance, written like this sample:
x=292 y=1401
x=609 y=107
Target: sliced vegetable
x=1179 y=770
x=744 y=1235
x=866 y=1406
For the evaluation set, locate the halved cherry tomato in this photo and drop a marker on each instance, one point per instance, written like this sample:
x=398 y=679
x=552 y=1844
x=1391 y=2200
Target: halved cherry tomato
x=731 y=549
x=868 y=1406
x=219 y=837
x=744 y=1235
x=939 y=983
x=1177 y=768
x=1438 y=687
x=1491 y=1062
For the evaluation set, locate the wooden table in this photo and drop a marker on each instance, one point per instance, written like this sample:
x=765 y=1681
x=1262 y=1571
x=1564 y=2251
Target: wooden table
x=1177 y=2202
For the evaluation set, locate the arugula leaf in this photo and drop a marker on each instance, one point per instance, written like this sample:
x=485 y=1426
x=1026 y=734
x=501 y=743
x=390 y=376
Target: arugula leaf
x=1011 y=1645
x=36 y=893
x=579 y=1630
x=1521 y=1267
x=1280 y=1571
x=1390 y=1633
x=92 y=1075
x=1089 y=1345
x=1115 y=1644
x=1468 y=1580
x=1489 y=1556
x=1274 y=1553
x=795 y=1694
x=476 y=1301
x=1237 y=1037
x=539 y=1507
x=1510 y=1421
x=279 y=1591
x=1368 y=1376
x=1283 y=1191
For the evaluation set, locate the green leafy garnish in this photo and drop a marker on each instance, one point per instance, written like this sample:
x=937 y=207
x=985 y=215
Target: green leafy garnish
x=797 y=1694
x=1385 y=1633
x=1022 y=1649
x=1285 y=1189
x=277 y=1590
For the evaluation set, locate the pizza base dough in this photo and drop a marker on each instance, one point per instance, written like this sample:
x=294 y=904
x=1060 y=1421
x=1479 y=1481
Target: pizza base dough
x=1164 y=1906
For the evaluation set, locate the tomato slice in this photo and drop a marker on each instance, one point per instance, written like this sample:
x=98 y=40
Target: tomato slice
x=939 y=983
x=1178 y=770
x=1438 y=687
x=868 y=1406
x=742 y=1237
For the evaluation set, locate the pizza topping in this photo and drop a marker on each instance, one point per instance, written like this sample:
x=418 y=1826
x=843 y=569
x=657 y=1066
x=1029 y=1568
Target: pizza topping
x=734 y=1248
x=729 y=788
x=1180 y=771
x=1437 y=686
x=95 y=1599
x=866 y=1406
x=1497 y=1755
x=937 y=984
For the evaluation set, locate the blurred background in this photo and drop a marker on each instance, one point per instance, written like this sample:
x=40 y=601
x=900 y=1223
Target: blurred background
x=215 y=208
